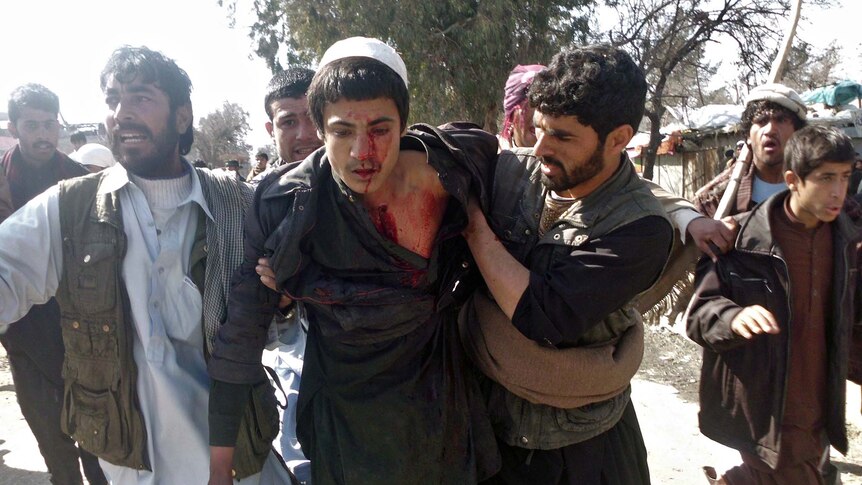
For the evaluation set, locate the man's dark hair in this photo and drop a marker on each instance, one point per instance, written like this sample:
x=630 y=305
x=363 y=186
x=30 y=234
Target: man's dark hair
x=756 y=109
x=200 y=163
x=812 y=146
x=262 y=155
x=356 y=79
x=599 y=84
x=33 y=96
x=78 y=137
x=128 y=64
x=290 y=83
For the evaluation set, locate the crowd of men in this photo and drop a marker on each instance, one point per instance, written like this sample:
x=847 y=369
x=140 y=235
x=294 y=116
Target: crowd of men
x=383 y=303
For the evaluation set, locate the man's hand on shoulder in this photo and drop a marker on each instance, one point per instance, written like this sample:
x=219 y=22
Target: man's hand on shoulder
x=713 y=237
x=476 y=222
x=754 y=320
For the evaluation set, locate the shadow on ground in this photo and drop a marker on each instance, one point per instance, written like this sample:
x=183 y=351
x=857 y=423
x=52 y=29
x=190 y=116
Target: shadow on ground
x=16 y=476
x=849 y=468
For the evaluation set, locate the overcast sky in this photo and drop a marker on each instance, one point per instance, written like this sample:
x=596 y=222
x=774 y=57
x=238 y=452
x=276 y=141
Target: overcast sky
x=64 y=44
x=818 y=27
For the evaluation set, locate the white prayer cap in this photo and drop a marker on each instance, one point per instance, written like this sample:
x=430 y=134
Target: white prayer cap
x=94 y=154
x=366 y=47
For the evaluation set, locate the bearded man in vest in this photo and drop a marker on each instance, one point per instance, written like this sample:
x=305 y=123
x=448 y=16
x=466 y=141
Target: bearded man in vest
x=139 y=257
x=571 y=237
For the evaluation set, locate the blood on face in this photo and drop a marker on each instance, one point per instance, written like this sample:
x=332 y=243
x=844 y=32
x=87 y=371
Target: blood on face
x=361 y=139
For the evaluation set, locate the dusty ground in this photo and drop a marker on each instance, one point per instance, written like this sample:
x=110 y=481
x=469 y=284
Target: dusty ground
x=673 y=360
x=665 y=394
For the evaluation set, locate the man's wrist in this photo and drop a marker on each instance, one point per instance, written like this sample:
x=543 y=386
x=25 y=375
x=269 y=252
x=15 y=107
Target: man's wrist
x=221 y=460
x=286 y=311
x=682 y=219
x=476 y=227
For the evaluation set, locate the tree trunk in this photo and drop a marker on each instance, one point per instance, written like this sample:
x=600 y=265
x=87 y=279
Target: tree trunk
x=655 y=137
x=490 y=124
x=777 y=71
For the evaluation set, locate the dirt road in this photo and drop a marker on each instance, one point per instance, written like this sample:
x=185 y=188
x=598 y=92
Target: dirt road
x=668 y=418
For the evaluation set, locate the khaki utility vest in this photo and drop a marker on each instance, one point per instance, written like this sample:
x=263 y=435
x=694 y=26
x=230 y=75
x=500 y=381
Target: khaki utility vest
x=101 y=409
x=100 y=400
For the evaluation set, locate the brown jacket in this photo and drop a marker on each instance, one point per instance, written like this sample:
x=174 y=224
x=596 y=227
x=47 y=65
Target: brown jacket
x=743 y=382
x=6 y=208
x=706 y=199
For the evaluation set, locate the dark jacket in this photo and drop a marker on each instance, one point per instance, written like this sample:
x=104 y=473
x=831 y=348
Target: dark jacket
x=386 y=395
x=743 y=382
x=293 y=189
x=27 y=182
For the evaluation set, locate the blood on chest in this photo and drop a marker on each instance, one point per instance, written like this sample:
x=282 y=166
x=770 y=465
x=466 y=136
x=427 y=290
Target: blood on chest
x=411 y=222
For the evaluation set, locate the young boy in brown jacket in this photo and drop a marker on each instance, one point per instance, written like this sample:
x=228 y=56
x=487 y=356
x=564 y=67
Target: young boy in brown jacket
x=774 y=317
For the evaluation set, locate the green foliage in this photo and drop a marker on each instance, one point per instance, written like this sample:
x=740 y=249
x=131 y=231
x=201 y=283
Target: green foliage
x=220 y=135
x=458 y=52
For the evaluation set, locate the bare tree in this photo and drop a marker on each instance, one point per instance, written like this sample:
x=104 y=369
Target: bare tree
x=667 y=35
x=688 y=86
x=220 y=135
x=807 y=68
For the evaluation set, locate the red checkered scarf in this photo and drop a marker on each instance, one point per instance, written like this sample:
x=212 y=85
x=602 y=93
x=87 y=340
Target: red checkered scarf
x=27 y=182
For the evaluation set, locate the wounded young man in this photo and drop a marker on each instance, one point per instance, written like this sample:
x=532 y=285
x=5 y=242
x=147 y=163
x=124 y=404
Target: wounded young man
x=366 y=237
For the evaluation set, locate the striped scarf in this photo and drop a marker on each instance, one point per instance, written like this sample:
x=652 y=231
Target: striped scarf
x=227 y=199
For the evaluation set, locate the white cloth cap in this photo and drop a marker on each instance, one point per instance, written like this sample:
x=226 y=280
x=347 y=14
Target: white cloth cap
x=94 y=154
x=366 y=47
x=779 y=94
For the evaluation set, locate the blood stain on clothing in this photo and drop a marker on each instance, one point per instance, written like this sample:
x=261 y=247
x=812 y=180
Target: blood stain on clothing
x=412 y=275
x=413 y=278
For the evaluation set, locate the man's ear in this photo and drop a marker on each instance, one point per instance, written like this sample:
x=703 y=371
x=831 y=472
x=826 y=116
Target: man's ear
x=792 y=180
x=13 y=130
x=268 y=126
x=617 y=139
x=184 y=117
